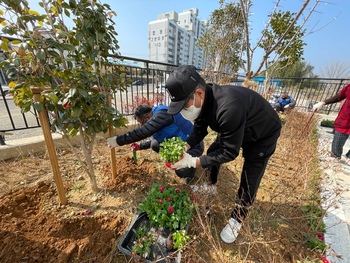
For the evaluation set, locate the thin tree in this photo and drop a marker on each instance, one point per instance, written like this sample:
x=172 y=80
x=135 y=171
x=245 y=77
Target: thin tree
x=72 y=66
x=336 y=69
x=281 y=40
x=222 y=41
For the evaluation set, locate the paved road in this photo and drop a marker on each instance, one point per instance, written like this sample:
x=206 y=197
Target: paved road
x=19 y=120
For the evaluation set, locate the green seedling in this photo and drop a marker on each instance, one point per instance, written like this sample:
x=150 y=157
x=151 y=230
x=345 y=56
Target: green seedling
x=171 y=150
x=77 y=186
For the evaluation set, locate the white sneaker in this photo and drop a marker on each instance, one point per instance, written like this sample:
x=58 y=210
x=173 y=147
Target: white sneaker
x=230 y=232
x=347 y=161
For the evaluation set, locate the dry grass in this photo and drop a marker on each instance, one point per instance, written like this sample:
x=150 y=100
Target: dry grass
x=276 y=230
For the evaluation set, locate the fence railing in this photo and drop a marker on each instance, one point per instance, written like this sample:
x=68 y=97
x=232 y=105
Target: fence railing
x=306 y=91
x=147 y=85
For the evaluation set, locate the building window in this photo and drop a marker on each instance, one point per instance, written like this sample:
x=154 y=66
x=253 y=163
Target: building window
x=153 y=33
x=161 y=32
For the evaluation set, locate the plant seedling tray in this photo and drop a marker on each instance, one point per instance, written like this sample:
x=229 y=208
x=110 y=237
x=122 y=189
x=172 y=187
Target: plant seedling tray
x=327 y=125
x=127 y=241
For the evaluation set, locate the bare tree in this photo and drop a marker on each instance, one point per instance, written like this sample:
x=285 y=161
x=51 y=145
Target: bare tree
x=222 y=42
x=336 y=69
x=281 y=40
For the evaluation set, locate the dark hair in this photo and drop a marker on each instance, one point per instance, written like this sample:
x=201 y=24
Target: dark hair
x=142 y=110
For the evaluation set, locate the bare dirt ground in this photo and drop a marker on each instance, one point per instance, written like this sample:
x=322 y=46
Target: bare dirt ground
x=34 y=227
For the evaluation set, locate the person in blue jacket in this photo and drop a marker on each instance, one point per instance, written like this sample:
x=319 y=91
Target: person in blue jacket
x=157 y=125
x=284 y=102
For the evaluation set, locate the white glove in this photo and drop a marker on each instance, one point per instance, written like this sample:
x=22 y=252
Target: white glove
x=187 y=162
x=112 y=142
x=318 y=106
x=286 y=107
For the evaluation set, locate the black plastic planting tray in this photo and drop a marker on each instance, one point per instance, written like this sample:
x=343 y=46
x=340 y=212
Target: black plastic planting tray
x=158 y=251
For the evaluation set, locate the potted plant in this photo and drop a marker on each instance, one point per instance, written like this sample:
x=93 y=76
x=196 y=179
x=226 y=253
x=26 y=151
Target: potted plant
x=327 y=123
x=171 y=150
x=160 y=228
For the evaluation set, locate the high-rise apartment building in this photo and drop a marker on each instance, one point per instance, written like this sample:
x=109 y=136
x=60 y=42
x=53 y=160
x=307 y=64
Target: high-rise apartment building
x=172 y=38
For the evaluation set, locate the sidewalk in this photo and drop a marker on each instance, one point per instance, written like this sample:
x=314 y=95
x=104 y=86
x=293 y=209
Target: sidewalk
x=336 y=200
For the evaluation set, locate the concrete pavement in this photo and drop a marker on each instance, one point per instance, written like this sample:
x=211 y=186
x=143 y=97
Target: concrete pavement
x=336 y=199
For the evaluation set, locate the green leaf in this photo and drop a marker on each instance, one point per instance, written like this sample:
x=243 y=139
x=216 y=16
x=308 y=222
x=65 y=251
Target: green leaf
x=76 y=112
x=41 y=54
x=16 y=42
x=68 y=47
x=4 y=46
x=83 y=93
x=38 y=106
x=52 y=96
x=53 y=53
x=72 y=3
x=66 y=12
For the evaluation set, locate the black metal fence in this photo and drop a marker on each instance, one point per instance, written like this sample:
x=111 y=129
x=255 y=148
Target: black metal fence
x=147 y=85
x=306 y=91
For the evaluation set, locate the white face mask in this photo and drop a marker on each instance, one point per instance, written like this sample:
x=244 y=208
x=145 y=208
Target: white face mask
x=192 y=112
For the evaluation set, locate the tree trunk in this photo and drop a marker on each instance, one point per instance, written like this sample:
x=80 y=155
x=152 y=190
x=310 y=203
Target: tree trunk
x=87 y=143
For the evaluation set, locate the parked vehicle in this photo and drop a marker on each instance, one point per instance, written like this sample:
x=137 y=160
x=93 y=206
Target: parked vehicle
x=137 y=82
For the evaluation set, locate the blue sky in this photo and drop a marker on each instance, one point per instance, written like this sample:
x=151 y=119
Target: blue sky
x=329 y=43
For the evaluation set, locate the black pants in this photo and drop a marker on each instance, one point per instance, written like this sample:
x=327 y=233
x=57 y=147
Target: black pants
x=339 y=140
x=195 y=151
x=214 y=170
x=256 y=156
x=279 y=108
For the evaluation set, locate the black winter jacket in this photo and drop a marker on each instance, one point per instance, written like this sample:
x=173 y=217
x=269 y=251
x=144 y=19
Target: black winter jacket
x=239 y=115
x=159 y=120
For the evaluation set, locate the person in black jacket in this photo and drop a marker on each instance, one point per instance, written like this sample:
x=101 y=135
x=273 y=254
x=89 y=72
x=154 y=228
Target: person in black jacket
x=159 y=125
x=241 y=117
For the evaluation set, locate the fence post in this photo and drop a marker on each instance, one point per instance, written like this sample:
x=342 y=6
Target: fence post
x=44 y=122
x=2 y=139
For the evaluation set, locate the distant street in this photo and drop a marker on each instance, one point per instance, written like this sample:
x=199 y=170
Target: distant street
x=18 y=120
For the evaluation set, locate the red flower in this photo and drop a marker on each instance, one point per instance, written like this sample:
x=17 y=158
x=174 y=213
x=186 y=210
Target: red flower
x=171 y=209
x=177 y=191
x=169 y=198
x=325 y=260
x=67 y=105
x=320 y=237
x=160 y=201
x=192 y=198
x=168 y=164
x=161 y=188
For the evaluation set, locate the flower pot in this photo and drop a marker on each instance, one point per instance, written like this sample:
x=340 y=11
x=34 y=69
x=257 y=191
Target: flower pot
x=159 y=251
